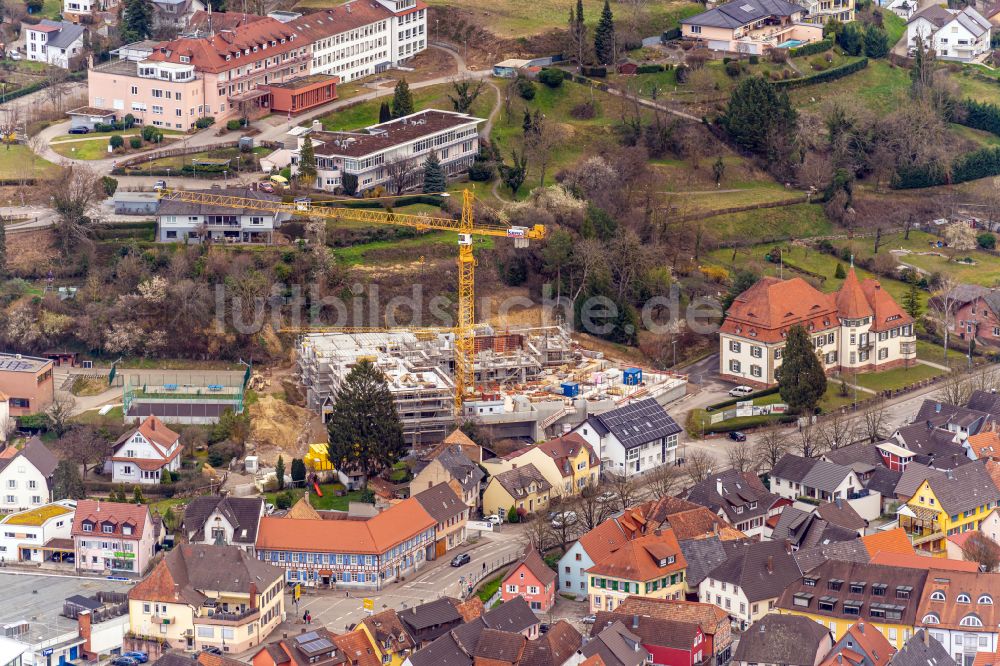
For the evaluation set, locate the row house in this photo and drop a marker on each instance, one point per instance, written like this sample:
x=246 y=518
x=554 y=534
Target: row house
x=199 y=597
x=748 y=584
x=26 y=476
x=668 y=642
x=860 y=328
x=114 y=538
x=739 y=498
x=391 y=153
x=714 y=623
x=961 y=610
x=456 y=459
x=784 y=639
x=446 y=507
x=568 y=463
x=349 y=553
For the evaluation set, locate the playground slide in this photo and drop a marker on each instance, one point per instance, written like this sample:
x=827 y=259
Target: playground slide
x=318 y=491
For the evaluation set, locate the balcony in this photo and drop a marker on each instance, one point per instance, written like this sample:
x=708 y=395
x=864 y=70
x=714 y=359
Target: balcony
x=221 y=617
x=164 y=619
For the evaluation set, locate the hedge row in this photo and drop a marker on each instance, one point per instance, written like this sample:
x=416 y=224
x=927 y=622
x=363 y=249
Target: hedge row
x=979 y=115
x=653 y=69
x=428 y=199
x=981 y=163
x=811 y=49
x=749 y=422
x=752 y=396
x=823 y=77
x=599 y=72
x=669 y=35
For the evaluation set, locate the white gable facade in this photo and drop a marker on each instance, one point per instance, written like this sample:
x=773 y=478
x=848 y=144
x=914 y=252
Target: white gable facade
x=22 y=486
x=138 y=460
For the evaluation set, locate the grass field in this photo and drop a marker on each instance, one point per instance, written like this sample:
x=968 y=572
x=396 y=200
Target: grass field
x=180 y=161
x=799 y=221
x=97 y=148
x=134 y=130
x=897 y=378
x=519 y=18
x=431 y=97
x=358 y=254
x=928 y=351
x=328 y=502
x=17 y=159
x=701 y=420
x=979 y=137
x=881 y=87
x=894 y=26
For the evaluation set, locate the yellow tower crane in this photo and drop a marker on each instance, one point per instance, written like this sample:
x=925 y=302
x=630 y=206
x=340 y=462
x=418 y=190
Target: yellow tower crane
x=466 y=227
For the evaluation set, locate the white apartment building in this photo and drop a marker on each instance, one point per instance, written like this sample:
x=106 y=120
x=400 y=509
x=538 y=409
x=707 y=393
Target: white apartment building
x=963 y=36
x=186 y=222
x=368 y=154
x=37 y=534
x=824 y=11
x=633 y=439
x=859 y=328
x=358 y=39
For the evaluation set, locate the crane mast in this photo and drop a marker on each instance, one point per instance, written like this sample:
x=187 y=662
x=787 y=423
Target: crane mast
x=465 y=226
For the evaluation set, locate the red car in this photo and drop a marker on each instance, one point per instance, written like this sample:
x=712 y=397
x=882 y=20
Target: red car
x=266 y=187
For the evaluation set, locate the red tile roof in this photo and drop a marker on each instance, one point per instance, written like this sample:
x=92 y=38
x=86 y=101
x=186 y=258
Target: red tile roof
x=851 y=301
x=357 y=649
x=891 y=541
x=870 y=641
x=638 y=559
x=986 y=444
x=118 y=514
x=768 y=308
x=987 y=659
x=960 y=538
x=372 y=536
x=534 y=563
x=268 y=36
x=888 y=314
x=602 y=540
x=923 y=562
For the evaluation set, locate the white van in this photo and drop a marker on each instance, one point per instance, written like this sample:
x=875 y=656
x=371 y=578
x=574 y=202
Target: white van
x=740 y=391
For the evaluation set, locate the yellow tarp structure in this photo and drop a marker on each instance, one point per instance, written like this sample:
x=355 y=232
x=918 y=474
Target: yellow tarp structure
x=316 y=459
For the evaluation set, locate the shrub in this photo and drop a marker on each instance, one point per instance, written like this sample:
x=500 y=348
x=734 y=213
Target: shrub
x=584 y=111
x=754 y=59
x=596 y=72
x=811 y=49
x=828 y=75
x=525 y=88
x=284 y=500
x=553 y=78
x=233 y=125
x=109 y=185
x=135 y=142
x=116 y=141
x=819 y=64
x=668 y=35
x=222 y=453
x=204 y=121
x=979 y=115
x=733 y=68
x=650 y=69
x=683 y=72
x=482 y=171
x=128 y=121
x=986 y=240
x=778 y=55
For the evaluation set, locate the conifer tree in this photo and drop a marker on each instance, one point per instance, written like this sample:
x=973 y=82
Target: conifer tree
x=801 y=379
x=604 y=37
x=434 y=179
x=402 y=100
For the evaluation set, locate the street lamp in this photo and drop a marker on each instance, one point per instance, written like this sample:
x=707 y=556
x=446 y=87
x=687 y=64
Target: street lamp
x=674 y=343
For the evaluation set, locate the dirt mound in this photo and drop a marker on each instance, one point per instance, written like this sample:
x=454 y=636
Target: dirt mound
x=278 y=428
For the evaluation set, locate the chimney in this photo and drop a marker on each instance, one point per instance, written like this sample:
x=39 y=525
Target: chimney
x=840 y=657
x=861 y=627
x=83 y=623
x=657 y=532
x=253 y=595
x=929 y=424
x=718 y=486
x=927 y=638
x=635 y=621
x=770 y=564
x=152 y=424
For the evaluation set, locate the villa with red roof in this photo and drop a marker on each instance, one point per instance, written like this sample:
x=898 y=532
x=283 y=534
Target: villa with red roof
x=860 y=328
x=141 y=455
x=113 y=537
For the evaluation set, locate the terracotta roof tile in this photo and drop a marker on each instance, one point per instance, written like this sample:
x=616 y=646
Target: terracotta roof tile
x=949 y=613
x=916 y=561
x=357 y=649
x=869 y=641
x=210 y=53
x=603 y=539
x=537 y=566
x=891 y=541
x=888 y=314
x=986 y=444
x=769 y=307
x=638 y=559
x=850 y=299
x=97 y=513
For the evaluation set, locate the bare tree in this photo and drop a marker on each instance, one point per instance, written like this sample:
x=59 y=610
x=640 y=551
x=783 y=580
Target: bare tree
x=540 y=143
x=538 y=534
x=84 y=446
x=807 y=442
x=698 y=465
x=770 y=448
x=874 y=420
x=664 y=481
x=944 y=304
x=60 y=411
x=982 y=549
x=741 y=457
x=400 y=171
x=835 y=431
x=57 y=79
x=956 y=390
x=10 y=121
x=624 y=488
x=591 y=508
x=563 y=525
x=79 y=190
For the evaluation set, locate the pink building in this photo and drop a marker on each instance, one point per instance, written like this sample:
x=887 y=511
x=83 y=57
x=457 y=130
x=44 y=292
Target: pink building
x=114 y=538
x=532 y=579
x=187 y=78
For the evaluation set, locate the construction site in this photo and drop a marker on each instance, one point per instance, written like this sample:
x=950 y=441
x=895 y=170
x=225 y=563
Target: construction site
x=529 y=383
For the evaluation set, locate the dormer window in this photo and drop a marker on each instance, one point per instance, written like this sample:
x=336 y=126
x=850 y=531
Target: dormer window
x=185 y=59
x=107 y=528
x=88 y=527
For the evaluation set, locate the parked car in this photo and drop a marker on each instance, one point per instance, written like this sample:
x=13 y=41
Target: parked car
x=460 y=559
x=740 y=391
x=212 y=650
x=79 y=130
x=589 y=619
x=124 y=661
x=269 y=508
x=494 y=519
x=543 y=628
x=566 y=517
x=159 y=185
x=266 y=187
x=737 y=436
x=140 y=657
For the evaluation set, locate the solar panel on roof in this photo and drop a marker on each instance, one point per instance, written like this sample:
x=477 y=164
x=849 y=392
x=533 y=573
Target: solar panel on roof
x=748 y=8
x=311 y=636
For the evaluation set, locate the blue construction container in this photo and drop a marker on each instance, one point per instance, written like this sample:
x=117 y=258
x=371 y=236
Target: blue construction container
x=632 y=376
x=571 y=389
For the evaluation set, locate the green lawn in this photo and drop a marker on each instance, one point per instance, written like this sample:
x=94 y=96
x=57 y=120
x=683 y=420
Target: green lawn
x=489 y=588
x=983 y=91
x=130 y=132
x=430 y=97
x=361 y=253
x=928 y=351
x=328 y=502
x=92 y=417
x=701 y=420
x=798 y=221
x=894 y=27
x=180 y=161
x=896 y=379
x=881 y=87
x=17 y=159
x=160 y=507
x=979 y=137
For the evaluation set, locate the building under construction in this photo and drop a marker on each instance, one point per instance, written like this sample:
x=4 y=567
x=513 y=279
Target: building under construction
x=530 y=382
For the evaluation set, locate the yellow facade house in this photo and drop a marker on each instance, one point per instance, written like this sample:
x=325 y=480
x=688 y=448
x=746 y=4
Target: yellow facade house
x=523 y=488
x=388 y=637
x=568 y=463
x=651 y=566
x=202 y=596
